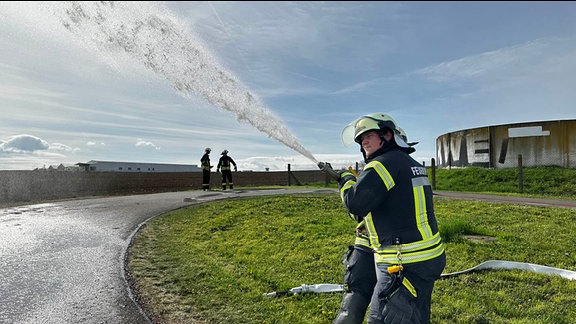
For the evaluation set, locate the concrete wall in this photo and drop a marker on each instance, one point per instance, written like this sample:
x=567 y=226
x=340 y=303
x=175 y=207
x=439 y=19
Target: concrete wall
x=543 y=143
x=34 y=186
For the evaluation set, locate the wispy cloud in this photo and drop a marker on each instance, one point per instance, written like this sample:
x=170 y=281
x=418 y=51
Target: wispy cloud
x=506 y=60
x=141 y=143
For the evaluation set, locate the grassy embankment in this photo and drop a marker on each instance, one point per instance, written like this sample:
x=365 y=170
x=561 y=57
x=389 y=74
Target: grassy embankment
x=212 y=262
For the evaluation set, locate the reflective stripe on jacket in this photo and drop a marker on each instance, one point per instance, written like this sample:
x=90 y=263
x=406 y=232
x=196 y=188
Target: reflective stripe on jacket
x=205 y=162
x=394 y=193
x=224 y=163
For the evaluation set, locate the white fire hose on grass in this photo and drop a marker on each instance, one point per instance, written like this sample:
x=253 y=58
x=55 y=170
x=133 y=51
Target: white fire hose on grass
x=305 y=289
x=512 y=265
x=487 y=265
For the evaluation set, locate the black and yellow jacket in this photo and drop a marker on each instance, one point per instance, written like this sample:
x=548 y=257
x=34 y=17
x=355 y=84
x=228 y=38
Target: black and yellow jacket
x=205 y=162
x=224 y=163
x=395 y=196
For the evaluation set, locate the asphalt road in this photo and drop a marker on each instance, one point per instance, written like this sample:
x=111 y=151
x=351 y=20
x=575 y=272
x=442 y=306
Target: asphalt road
x=508 y=199
x=63 y=262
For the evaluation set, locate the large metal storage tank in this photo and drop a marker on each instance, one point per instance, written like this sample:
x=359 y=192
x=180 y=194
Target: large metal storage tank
x=540 y=143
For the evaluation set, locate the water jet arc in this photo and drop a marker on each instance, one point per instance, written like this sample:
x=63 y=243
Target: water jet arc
x=153 y=37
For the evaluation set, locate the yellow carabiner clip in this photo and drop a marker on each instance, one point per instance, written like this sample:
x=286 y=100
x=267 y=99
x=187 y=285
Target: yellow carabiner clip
x=395 y=269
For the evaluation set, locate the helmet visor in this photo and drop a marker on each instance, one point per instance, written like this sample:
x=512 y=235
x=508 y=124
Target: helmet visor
x=348 y=134
x=351 y=133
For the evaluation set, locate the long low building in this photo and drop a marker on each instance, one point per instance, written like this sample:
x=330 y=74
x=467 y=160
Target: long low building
x=113 y=166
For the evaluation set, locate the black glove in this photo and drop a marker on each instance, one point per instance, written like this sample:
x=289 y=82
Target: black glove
x=401 y=308
x=345 y=176
x=327 y=168
x=235 y=169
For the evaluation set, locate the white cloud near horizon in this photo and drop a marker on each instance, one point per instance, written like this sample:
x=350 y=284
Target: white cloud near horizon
x=24 y=143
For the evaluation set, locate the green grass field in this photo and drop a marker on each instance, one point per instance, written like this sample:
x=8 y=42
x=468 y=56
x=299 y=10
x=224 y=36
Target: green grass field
x=212 y=263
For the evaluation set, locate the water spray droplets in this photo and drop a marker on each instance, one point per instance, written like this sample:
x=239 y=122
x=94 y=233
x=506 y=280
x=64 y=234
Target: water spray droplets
x=152 y=37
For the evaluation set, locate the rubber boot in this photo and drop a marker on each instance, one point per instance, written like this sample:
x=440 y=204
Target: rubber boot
x=353 y=309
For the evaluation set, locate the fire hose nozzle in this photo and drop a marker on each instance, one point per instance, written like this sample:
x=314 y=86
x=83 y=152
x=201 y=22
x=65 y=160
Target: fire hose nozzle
x=327 y=168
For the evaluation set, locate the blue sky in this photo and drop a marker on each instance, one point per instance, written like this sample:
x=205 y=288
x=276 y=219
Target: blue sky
x=272 y=82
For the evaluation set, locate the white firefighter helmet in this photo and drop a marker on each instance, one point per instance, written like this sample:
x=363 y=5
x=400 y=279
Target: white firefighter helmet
x=377 y=121
x=405 y=137
x=224 y=152
x=402 y=134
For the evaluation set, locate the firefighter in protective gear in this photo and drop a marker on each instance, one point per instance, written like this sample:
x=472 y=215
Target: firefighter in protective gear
x=393 y=196
x=360 y=274
x=224 y=164
x=205 y=165
x=359 y=279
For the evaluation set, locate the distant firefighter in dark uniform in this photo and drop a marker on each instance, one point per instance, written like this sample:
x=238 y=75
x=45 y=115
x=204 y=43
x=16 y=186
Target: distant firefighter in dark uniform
x=205 y=164
x=224 y=164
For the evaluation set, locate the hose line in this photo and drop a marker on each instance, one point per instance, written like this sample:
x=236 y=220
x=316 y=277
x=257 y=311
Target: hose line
x=487 y=265
x=512 y=265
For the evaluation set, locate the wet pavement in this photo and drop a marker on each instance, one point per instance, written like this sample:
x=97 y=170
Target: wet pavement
x=63 y=262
